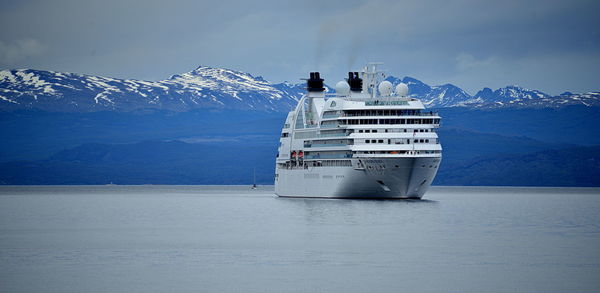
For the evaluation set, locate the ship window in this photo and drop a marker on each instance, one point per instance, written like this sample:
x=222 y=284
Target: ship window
x=374 y=130
x=368 y=131
x=285 y=134
x=299 y=120
x=360 y=131
x=367 y=141
x=380 y=141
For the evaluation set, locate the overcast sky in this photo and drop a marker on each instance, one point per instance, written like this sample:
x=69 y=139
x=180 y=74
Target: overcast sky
x=549 y=45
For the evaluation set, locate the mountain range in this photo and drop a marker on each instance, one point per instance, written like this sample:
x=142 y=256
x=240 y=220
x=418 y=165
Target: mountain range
x=512 y=96
x=219 y=88
x=67 y=128
x=201 y=88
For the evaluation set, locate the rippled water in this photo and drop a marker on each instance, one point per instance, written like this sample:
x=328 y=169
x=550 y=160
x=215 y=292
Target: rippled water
x=233 y=239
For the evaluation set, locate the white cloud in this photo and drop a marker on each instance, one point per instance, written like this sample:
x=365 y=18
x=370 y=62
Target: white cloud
x=15 y=51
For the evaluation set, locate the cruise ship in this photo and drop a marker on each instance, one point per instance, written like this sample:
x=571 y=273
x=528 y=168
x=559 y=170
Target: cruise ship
x=367 y=140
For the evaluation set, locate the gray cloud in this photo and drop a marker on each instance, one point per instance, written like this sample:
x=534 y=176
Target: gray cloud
x=12 y=52
x=550 y=45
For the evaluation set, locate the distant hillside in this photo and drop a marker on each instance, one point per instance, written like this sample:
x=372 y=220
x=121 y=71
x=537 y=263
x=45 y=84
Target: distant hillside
x=232 y=160
x=463 y=145
x=151 y=162
x=579 y=166
x=566 y=125
x=35 y=135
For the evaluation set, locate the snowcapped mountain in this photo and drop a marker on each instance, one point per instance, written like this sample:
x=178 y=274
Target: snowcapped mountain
x=515 y=96
x=511 y=93
x=449 y=95
x=218 y=88
x=204 y=87
x=446 y=95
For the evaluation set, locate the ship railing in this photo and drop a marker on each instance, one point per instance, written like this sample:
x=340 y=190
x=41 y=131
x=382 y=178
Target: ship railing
x=312 y=157
x=327 y=116
x=330 y=125
x=333 y=135
x=318 y=145
x=386 y=103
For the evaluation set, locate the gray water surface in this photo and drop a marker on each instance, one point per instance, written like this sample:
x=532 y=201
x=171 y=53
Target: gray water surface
x=233 y=239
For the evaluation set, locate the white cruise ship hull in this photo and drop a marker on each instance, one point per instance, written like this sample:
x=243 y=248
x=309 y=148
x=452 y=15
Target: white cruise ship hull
x=368 y=178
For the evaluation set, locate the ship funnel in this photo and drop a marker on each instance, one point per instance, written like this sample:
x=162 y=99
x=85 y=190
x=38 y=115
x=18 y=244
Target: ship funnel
x=356 y=83
x=315 y=83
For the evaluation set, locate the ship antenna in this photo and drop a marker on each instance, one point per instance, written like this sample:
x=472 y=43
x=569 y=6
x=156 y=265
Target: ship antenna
x=371 y=75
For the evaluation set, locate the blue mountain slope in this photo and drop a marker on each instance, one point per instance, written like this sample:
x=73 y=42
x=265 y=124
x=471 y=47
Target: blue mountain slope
x=579 y=166
x=462 y=145
x=569 y=125
x=149 y=162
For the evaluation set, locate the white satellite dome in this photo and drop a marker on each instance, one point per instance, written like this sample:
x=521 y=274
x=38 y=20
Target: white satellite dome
x=385 y=88
x=342 y=88
x=402 y=90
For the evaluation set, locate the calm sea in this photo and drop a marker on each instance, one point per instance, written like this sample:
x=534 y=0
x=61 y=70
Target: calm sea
x=233 y=239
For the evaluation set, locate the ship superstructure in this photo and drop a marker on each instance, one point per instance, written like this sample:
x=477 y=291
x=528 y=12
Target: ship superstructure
x=368 y=140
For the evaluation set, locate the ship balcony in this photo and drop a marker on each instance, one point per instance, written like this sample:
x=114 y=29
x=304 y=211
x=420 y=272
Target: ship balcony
x=326 y=156
x=328 y=147
x=331 y=126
